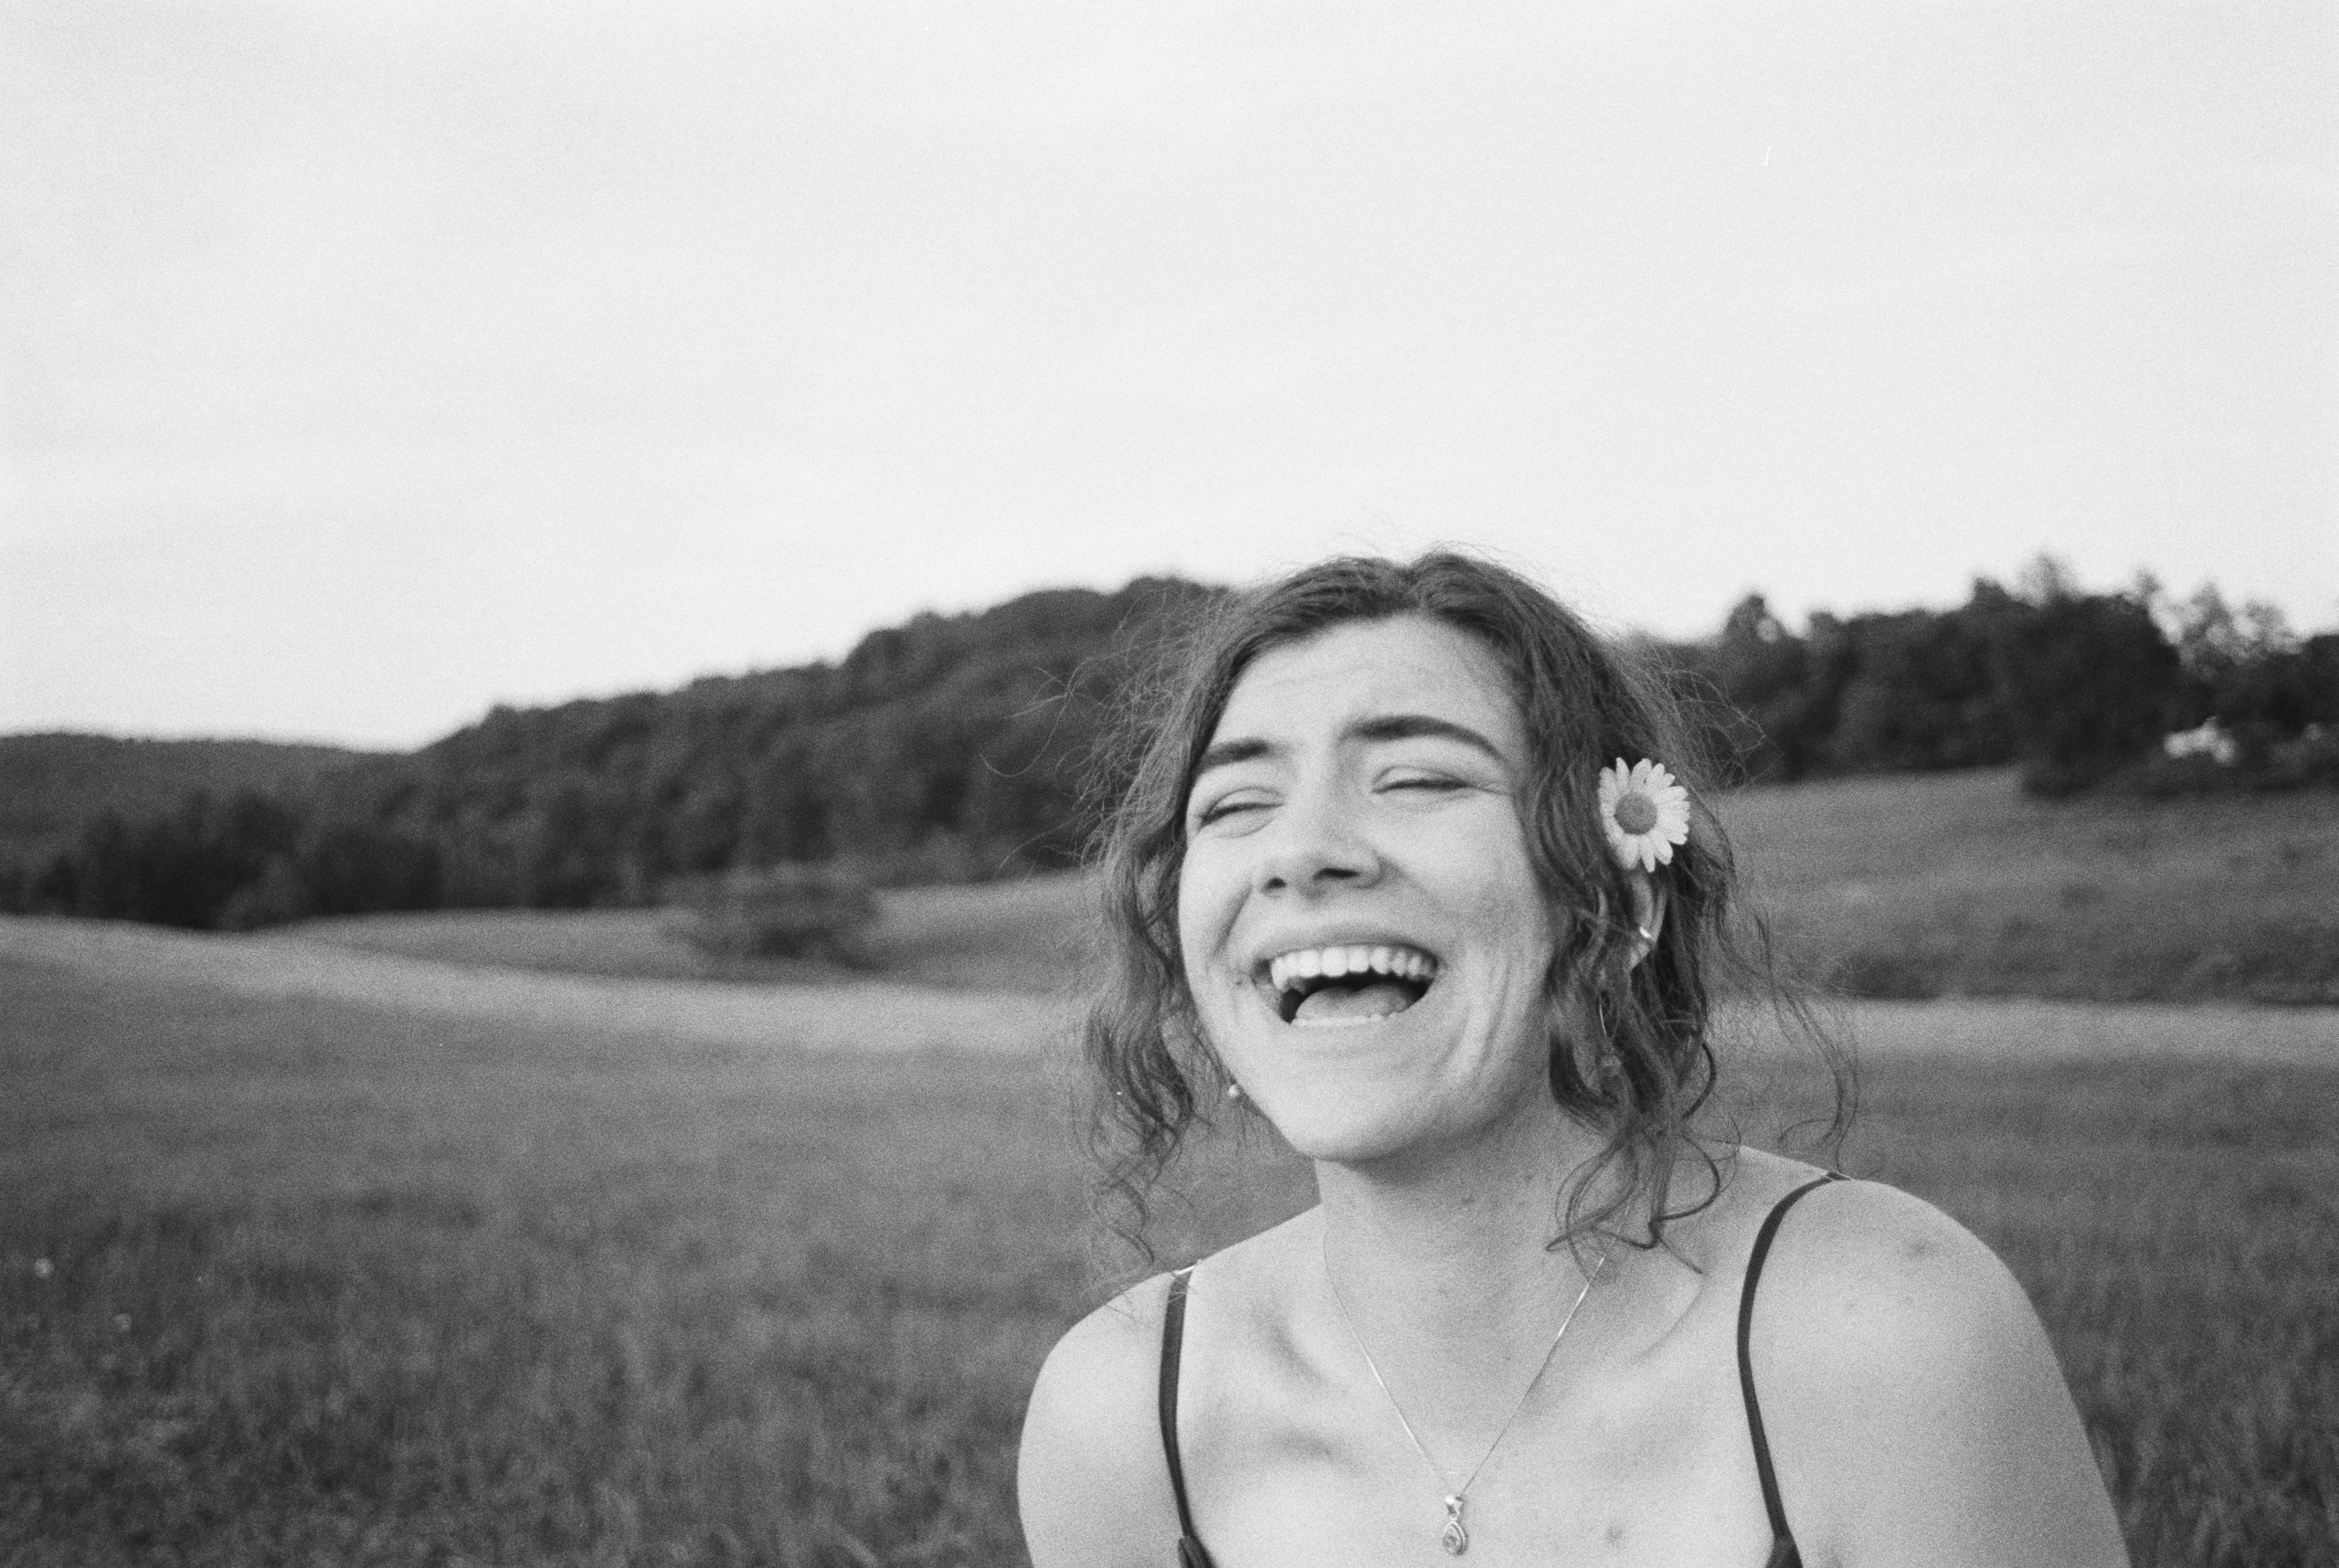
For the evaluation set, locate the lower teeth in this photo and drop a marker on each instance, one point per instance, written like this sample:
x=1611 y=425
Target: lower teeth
x=1353 y=1004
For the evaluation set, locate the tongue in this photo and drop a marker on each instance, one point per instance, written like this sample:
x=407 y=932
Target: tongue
x=1374 y=1001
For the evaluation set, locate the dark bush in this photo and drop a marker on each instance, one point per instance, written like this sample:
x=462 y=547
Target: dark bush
x=2157 y=776
x=798 y=912
x=1884 y=975
x=2311 y=759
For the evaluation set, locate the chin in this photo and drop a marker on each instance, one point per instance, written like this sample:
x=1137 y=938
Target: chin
x=1346 y=1124
x=1331 y=1140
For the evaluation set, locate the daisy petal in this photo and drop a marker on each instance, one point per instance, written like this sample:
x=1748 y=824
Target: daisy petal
x=1662 y=798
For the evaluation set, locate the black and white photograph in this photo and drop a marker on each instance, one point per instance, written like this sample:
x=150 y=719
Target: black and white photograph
x=910 y=785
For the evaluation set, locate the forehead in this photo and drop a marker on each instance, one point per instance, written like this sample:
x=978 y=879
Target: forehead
x=1408 y=665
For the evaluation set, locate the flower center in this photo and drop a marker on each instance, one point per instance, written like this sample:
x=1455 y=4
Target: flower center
x=1636 y=814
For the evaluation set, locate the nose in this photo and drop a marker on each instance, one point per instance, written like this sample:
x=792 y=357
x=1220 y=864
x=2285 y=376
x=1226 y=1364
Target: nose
x=1312 y=847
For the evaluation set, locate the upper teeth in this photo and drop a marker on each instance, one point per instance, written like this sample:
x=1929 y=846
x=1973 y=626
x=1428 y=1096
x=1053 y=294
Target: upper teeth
x=1405 y=963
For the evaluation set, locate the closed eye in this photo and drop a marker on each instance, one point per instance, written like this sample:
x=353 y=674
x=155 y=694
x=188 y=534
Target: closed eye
x=1219 y=811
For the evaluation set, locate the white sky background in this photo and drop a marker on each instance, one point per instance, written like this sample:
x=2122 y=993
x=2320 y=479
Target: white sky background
x=364 y=365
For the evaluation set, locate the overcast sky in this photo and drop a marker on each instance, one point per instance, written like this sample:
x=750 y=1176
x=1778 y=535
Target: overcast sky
x=363 y=365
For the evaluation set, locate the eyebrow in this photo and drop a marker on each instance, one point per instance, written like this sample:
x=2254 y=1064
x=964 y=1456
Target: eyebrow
x=1383 y=728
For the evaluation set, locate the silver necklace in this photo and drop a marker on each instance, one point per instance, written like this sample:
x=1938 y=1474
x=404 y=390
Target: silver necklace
x=1456 y=1538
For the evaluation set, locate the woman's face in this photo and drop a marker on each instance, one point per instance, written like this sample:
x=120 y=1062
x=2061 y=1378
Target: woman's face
x=1361 y=927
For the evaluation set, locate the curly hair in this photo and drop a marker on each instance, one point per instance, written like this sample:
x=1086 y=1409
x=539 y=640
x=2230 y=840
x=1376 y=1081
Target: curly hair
x=1644 y=1068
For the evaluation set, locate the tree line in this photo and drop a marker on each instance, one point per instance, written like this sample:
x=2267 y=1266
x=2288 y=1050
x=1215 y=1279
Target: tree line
x=954 y=748
x=2081 y=689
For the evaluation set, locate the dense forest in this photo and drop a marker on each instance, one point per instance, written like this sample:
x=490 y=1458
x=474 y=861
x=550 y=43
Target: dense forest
x=52 y=786
x=955 y=749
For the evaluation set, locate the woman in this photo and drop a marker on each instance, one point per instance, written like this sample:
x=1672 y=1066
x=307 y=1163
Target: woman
x=1372 y=879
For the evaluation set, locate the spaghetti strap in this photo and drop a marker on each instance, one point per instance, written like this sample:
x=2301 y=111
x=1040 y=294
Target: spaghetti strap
x=1173 y=1333
x=1784 y=1552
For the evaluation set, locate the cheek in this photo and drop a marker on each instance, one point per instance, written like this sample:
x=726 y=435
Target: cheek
x=1510 y=903
x=1200 y=921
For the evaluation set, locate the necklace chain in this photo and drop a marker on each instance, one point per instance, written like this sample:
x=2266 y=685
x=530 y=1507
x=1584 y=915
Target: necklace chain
x=1457 y=1540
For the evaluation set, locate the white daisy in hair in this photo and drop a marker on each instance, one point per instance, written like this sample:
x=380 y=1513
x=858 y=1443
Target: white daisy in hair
x=1643 y=812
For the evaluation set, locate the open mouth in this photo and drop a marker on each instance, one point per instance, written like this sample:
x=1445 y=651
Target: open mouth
x=1320 y=986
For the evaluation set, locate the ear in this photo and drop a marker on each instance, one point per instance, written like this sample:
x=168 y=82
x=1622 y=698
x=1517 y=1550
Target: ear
x=1649 y=914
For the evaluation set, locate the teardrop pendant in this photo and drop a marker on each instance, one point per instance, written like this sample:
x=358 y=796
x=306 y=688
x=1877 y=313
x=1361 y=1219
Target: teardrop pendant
x=1457 y=1540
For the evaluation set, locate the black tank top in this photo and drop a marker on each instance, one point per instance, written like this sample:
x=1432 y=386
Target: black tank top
x=1191 y=1554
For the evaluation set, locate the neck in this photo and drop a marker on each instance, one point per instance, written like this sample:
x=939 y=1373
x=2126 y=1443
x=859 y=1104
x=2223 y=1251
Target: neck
x=1451 y=1247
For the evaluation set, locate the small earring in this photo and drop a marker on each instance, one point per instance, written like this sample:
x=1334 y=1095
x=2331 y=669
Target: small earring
x=1233 y=1091
x=1645 y=934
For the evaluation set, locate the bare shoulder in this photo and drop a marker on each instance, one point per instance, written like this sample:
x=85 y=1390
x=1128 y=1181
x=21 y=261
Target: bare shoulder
x=1091 y=1483
x=1914 y=1407
x=1886 y=1266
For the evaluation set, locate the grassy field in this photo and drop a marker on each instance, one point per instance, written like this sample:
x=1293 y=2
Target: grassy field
x=1958 y=885
x=1023 y=936
x=285 y=1279
x=1915 y=886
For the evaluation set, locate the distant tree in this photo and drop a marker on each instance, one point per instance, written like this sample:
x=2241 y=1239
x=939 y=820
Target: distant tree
x=2320 y=656
x=480 y=868
x=2214 y=638
x=278 y=895
x=703 y=825
x=179 y=869
x=572 y=840
x=56 y=884
x=1910 y=690
x=352 y=867
x=785 y=814
x=2049 y=580
x=1023 y=794
x=2247 y=671
x=1923 y=693
x=18 y=876
x=2090 y=684
x=1775 y=707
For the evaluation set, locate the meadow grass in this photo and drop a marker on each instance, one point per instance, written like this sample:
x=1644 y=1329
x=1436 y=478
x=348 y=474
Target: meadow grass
x=1959 y=884
x=1027 y=935
x=298 y=1282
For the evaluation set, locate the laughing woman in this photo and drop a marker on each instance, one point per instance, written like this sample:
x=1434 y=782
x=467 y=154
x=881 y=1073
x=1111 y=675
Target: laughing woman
x=1401 y=865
